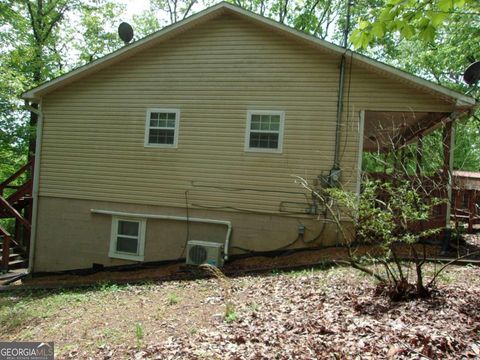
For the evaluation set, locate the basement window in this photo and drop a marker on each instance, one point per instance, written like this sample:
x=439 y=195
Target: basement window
x=161 y=128
x=264 y=131
x=128 y=239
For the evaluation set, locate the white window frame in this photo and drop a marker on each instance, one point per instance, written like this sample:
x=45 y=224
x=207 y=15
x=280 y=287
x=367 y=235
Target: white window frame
x=147 y=127
x=279 y=149
x=113 y=253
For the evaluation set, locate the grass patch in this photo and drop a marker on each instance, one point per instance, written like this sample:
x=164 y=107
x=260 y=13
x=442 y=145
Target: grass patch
x=23 y=308
x=13 y=316
x=139 y=334
x=108 y=287
x=231 y=314
x=172 y=299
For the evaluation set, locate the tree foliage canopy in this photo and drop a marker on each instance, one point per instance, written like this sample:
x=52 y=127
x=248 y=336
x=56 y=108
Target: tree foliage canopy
x=409 y=19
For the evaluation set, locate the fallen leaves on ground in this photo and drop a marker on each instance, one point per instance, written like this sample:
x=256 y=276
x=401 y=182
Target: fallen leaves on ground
x=326 y=315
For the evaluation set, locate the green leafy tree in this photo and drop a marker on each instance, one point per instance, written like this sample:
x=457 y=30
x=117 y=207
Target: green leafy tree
x=146 y=23
x=467 y=147
x=163 y=13
x=409 y=18
x=30 y=27
x=98 y=23
x=318 y=17
x=44 y=38
x=321 y=18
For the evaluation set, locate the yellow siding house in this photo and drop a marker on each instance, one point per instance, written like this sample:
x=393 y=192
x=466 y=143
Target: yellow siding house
x=197 y=132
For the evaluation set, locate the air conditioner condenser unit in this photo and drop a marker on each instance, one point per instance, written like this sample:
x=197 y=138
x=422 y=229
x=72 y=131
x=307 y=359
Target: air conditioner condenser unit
x=204 y=252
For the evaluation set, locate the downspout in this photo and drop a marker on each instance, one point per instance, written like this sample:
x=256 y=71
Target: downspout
x=36 y=180
x=335 y=172
x=341 y=83
x=226 y=223
x=360 y=152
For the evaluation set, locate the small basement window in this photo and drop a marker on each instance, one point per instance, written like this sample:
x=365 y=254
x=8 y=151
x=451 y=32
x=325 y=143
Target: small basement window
x=128 y=239
x=264 y=131
x=161 y=128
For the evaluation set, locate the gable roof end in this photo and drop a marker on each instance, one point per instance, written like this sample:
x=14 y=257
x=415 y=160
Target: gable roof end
x=215 y=10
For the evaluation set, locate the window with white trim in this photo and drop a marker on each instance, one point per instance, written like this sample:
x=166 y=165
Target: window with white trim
x=264 y=131
x=128 y=239
x=161 y=128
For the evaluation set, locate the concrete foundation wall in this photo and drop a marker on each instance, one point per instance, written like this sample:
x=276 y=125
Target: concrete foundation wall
x=70 y=236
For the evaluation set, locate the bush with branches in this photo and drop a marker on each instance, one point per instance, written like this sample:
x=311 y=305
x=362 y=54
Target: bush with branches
x=389 y=216
x=385 y=222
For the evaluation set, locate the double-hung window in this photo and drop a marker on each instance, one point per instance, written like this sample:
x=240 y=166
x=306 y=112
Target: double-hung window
x=264 y=131
x=128 y=239
x=161 y=128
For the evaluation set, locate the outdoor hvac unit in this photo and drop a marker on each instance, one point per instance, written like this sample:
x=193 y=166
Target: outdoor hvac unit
x=204 y=252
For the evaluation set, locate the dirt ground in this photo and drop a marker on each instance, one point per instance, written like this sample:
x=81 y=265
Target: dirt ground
x=307 y=314
x=258 y=312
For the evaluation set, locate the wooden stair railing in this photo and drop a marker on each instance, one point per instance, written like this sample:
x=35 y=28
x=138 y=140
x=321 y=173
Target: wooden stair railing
x=5 y=205
x=11 y=206
x=7 y=184
x=23 y=191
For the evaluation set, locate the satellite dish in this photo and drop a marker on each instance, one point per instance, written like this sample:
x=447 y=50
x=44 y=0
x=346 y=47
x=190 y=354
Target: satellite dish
x=125 y=31
x=472 y=74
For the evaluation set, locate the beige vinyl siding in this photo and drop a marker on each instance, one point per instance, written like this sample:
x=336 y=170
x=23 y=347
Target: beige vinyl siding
x=93 y=137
